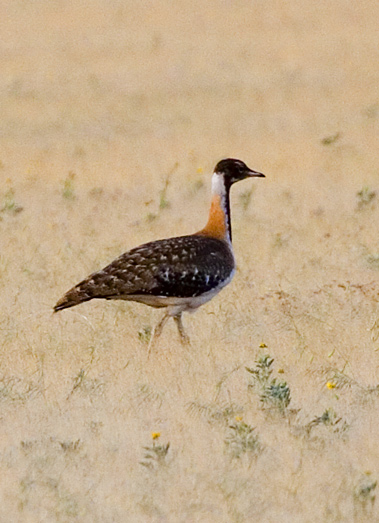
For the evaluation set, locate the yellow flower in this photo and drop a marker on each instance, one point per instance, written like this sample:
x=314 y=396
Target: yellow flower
x=155 y=435
x=262 y=345
x=331 y=385
x=238 y=418
x=199 y=170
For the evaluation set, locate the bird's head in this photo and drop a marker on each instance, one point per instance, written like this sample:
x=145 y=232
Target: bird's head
x=233 y=170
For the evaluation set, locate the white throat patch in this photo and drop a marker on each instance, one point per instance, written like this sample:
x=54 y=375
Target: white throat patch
x=218 y=185
x=218 y=189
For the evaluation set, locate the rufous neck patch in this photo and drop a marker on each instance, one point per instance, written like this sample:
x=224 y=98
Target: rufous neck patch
x=217 y=226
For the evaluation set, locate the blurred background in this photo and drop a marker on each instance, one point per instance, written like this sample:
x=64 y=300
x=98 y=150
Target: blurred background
x=116 y=89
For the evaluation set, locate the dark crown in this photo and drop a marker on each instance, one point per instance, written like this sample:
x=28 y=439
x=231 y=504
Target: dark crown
x=234 y=170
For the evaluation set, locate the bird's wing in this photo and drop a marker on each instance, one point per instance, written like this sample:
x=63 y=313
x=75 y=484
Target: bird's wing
x=185 y=266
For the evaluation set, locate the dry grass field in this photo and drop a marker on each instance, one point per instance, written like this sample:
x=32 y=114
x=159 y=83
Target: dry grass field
x=113 y=115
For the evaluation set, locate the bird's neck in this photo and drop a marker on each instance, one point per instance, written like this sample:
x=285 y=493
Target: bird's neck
x=218 y=225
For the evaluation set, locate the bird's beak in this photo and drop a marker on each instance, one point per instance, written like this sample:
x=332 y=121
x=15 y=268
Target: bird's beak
x=250 y=173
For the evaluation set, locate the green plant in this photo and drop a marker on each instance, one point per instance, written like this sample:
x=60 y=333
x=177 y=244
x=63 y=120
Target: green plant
x=263 y=370
x=9 y=203
x=145 y=334
x=85 y=384
x=68 y=191
x=273 y=394
x=163 y=201
x=242 y=439
x=245 y=198
x=365 y=197
x=276 y=395
x=328 y=419
x=213 y=412
x=329 y=140
x=70 y=446
x=364 y=494
x=197 y=185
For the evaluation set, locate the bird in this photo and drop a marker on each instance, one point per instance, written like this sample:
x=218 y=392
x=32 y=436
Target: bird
x=178 y=274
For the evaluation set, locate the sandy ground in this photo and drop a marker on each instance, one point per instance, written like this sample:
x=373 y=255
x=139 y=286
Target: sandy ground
x=113 y=115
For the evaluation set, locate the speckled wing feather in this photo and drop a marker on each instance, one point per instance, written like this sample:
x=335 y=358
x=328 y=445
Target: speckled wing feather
x=186 y=266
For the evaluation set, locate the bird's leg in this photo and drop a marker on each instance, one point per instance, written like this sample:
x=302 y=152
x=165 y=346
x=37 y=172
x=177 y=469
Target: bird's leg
x=157 y=331
x=183 y=336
